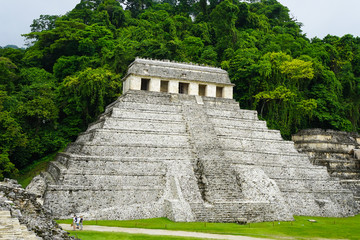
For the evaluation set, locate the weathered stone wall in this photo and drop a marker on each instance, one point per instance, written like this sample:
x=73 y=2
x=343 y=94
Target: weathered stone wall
x=19 y=206
x=337 y=151
x=10 y=228
x=173 y=70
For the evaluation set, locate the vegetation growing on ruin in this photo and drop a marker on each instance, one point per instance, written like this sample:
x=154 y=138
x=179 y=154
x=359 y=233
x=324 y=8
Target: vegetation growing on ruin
x=72 y=68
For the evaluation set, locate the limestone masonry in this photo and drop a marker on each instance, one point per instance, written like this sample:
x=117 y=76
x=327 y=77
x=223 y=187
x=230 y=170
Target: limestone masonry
x=22 y=217
x=338 y=151
x=177 y=145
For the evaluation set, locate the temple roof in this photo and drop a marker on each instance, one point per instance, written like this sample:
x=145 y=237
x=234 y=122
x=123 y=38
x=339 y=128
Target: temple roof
x=175 y=70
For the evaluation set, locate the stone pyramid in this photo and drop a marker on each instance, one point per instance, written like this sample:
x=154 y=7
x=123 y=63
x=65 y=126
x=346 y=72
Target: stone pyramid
x=176 y=145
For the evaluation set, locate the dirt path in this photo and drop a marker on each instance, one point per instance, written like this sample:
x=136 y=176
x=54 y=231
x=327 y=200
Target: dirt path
x=161 y=232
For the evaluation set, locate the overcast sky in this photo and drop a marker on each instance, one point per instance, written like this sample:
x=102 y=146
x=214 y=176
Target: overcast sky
x=320 y=17
x=323 y=17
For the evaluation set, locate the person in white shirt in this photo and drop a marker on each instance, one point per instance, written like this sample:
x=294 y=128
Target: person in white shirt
x=77 y=223
x=74 y=222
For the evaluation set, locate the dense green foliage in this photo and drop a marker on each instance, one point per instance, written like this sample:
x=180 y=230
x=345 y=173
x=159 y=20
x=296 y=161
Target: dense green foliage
x=300 y=228
x=72 y=68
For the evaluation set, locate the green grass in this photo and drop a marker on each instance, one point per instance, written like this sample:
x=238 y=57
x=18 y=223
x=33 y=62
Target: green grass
x=301 y=228
x=93 y=235
x=27 y=174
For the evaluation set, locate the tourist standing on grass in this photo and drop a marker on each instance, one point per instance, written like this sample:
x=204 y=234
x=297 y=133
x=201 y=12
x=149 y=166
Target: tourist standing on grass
x=81 y=222
x=77 y=223
x=74 y=222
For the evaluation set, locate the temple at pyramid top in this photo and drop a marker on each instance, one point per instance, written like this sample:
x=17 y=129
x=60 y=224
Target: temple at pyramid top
x=173 y=77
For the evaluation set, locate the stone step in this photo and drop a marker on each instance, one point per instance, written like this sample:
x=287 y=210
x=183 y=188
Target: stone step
x=157 y=98
x=138 y=125
x=48 y=177
x=131 y=195
x=353 y=185
x=94 y=189
x=221 y=103
x=97 y=124
x=260 y=144
x=250 y=124
x=5 y=214
x=101 y=136
x=89 y=135
x=146 y=114
x=131 y=150
x=264 y=150
x=253 y=211
x=316 y=203
x=56 y=170
x=149 y=106
x=338 y=163
x=355 y=182
x=269 y=165
x=104 y=115
x=340 y=168
x=325 y=155
x=117 y=167
x=10 y=228
x=345 y=174
x=325 y=136
x=267 y=157
x=100 y=180
x=283 y=172
x=242 y=132
x=143 y=168
x=311 y=185
x=109 y=107
x=238 y=114
x=344 y=170
x=325 y=147
x=66 y=158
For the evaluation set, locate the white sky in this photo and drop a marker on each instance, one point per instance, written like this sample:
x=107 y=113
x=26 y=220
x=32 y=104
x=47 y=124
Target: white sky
x=16 y=16
x=323 y=17
x=320 y=17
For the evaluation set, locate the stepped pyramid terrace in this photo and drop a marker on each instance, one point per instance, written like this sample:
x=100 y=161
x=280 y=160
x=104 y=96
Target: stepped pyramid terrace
x=338 y=151
x=176 y=144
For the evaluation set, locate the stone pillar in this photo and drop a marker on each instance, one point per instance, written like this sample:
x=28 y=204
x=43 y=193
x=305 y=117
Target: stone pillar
x=125 y=85
x=193 y=89
x=135 y=83
x=173 y=86
x=154 y=85
x=210 y=91
x=228 y=92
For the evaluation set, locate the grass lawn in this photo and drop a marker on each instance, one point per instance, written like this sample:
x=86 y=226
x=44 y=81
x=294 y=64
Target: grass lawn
x=301 y=228
x=93 y=235
x=27 y=174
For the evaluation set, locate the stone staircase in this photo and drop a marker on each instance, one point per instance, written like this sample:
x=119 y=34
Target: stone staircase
x=247 y=143
x=11 y=229
x=335 y=151
x=215 y=177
